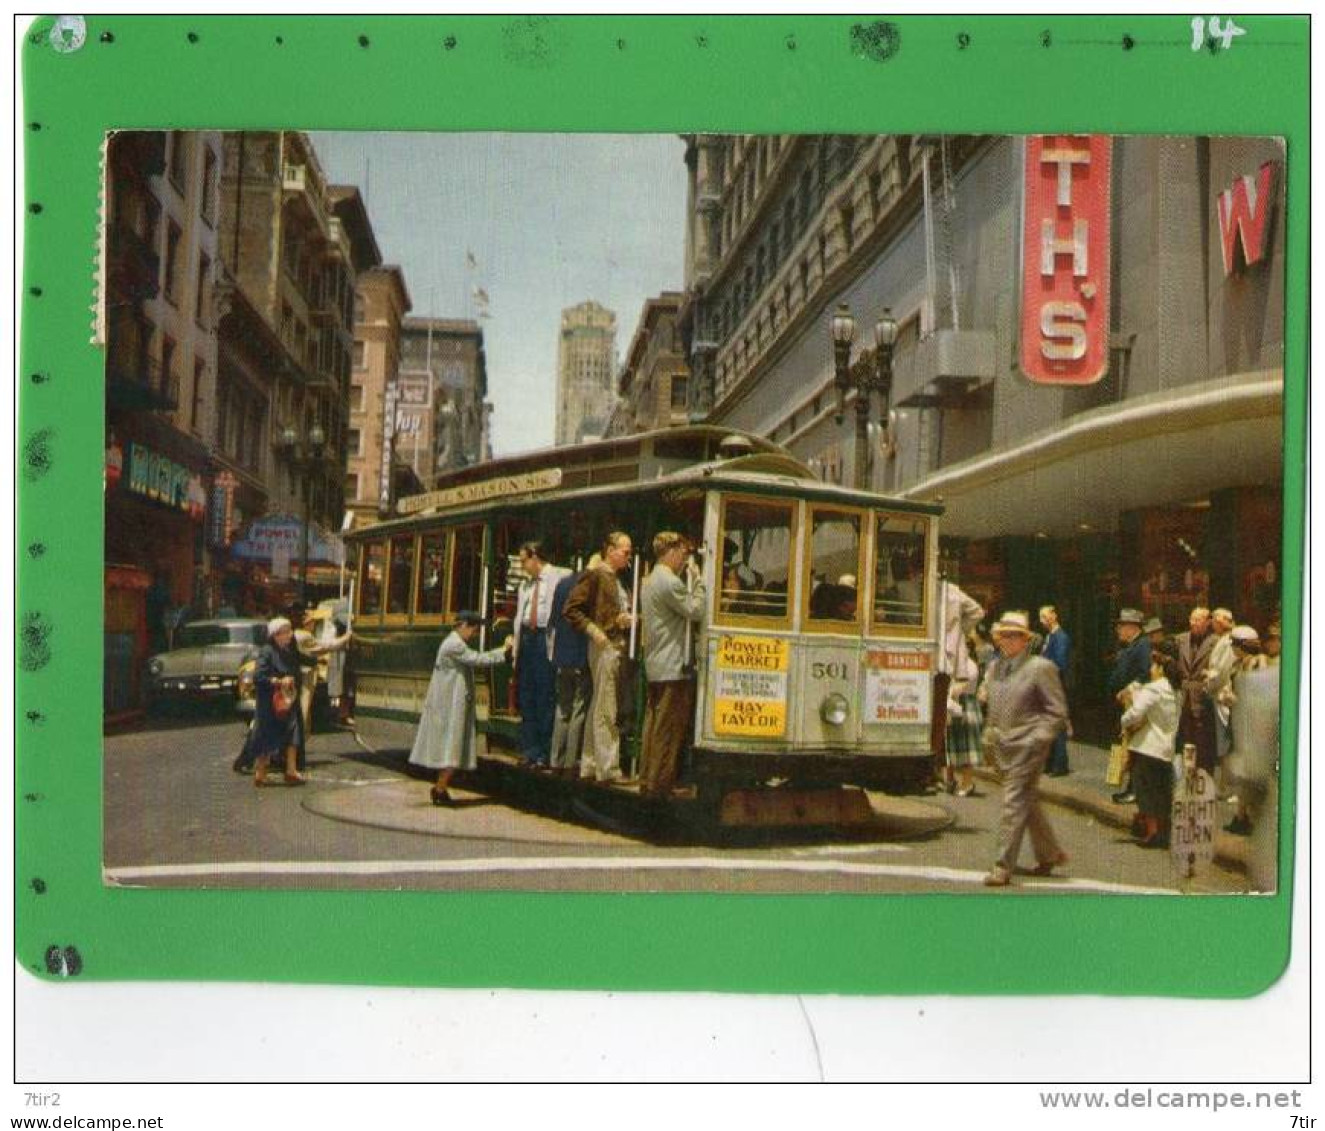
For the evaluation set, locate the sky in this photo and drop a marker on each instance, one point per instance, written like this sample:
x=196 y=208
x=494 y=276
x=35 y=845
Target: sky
x=551 y=220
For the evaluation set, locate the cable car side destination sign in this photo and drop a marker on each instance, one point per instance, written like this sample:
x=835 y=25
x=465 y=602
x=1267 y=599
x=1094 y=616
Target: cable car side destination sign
x=482 y=491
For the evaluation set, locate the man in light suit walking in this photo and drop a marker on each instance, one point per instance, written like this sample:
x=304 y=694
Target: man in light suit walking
x=1027 y=709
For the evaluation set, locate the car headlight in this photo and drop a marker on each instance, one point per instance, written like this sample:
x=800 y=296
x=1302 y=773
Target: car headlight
x=156 y=667
x=834 y=709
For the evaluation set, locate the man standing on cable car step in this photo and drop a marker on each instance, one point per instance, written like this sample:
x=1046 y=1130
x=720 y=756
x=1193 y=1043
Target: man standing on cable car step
x=535 y=678
x=671 y=604
x=599 y=607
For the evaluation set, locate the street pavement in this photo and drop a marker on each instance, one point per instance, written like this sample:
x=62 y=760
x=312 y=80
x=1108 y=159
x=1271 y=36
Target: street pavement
x=178 y=816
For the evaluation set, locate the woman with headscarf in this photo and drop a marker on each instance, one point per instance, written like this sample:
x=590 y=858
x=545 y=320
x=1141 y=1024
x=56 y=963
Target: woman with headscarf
x=278 y=728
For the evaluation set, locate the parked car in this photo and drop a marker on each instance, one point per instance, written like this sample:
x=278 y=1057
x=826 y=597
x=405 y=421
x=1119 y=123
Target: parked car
x=204 y=663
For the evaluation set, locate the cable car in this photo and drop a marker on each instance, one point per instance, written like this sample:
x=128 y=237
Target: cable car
x=815 y=660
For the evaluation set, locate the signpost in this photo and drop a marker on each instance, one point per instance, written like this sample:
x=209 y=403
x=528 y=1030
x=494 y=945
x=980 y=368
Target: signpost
x=1194 y=818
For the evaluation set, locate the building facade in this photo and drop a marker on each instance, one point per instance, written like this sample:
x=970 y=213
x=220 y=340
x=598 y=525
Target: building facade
x=381 y=305
x=653 y=388
x=454 y=426
x=157 y=322
x=292 y=247
x=586 y=371
x=1158 y=486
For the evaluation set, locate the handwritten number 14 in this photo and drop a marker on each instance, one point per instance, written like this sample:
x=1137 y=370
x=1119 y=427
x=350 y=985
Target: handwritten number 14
x=1218 y=30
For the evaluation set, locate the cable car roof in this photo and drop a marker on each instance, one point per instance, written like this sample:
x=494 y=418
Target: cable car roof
x=768 y=469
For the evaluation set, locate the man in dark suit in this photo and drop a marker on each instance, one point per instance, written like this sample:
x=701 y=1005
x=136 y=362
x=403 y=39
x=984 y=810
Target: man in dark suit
x=1131 y=665
x=1196 y=724
x=1058 y=650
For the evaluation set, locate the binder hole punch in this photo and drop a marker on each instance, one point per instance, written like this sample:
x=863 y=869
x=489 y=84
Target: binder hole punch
x=35 y=208
x=107 y=37
x=363 y=41
x=192 y=37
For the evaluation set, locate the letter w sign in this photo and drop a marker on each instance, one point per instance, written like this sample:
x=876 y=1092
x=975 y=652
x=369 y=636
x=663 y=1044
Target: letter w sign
x=1244 y=212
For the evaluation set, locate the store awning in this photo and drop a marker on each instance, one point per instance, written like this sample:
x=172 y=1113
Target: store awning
x=1158 y=450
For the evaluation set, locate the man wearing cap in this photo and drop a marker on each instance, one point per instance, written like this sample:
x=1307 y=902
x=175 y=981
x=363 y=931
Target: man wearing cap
x=1058 y=650
x=1196 y=724
x=1154 y=630
x=1273 y=645
x=446 y=738
x=1027 y=710
x=1131 y=665
x=672 y=602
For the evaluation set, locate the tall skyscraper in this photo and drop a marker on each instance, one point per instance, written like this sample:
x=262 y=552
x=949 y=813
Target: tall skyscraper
x=586 y=369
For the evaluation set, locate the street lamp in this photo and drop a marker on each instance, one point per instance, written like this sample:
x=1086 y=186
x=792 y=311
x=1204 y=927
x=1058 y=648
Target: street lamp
x=877 y=378
x=305 y=459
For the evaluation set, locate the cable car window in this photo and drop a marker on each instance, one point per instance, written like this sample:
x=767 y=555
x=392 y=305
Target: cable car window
x=370 y=581
x=400 y=581
x=834 y=566
x=756 y=559
x=433 y=562
x=899 y=571
x=467 y=569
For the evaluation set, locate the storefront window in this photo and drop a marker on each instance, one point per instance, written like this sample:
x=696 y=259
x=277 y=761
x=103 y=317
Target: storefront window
x=433 y=562
x=834 y=573
x=401 y=581
x=756 y=559
x=899 y=571
x=467 y=569
x=370 y=580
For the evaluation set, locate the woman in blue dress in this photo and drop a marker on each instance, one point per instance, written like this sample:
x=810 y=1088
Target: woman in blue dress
x=278 y=728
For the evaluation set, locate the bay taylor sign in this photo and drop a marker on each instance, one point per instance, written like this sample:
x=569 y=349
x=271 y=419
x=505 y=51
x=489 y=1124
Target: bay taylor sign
x=1065 y=258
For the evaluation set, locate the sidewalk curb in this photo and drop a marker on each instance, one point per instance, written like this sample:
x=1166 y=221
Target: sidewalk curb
x=1230 y=851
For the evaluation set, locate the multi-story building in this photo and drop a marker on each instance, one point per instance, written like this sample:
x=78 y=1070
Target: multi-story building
x=586 y=368
x=1158 y=486
x=458 y=417
x=291 y=247
x=156 y=320
x=381 y=305
x=653 y=386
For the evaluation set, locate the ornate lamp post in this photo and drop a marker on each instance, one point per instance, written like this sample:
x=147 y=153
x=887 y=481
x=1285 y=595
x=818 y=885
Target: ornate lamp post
x=305 y=458
x=865 y=380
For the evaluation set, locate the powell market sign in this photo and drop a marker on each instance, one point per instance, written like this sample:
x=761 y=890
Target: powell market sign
x=1065 y=259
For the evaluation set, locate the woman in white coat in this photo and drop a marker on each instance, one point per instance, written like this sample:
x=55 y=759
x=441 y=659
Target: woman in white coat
x=446 y=737
x=1151 y=725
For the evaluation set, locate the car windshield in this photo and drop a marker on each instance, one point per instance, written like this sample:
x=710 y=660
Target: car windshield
x=200 y=635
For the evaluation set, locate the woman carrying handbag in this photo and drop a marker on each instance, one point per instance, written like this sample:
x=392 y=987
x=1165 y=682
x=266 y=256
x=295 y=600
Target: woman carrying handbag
x=278 y=729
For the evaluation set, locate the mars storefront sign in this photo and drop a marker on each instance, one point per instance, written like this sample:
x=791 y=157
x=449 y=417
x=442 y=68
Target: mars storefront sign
x=1065 y=259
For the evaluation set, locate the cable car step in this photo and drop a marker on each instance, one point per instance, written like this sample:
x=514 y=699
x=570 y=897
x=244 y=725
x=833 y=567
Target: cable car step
x=767 y=808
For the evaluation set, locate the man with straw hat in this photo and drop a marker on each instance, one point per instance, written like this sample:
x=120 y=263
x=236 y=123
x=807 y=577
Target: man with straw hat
x=1027 y=709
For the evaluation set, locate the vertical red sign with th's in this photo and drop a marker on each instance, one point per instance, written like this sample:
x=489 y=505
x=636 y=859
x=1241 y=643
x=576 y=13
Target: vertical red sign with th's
x=1065 y=259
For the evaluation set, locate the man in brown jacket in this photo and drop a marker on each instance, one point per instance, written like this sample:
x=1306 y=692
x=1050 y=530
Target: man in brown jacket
x=599 y=607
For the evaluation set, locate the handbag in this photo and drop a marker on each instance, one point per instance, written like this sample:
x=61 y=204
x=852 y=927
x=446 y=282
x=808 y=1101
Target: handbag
x=282 y=700
x=1118 y=757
